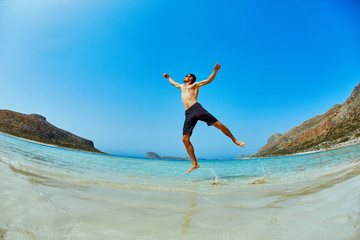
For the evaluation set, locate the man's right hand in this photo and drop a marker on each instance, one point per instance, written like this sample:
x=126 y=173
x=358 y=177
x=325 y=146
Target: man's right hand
x=217 y=67
x=166 y=75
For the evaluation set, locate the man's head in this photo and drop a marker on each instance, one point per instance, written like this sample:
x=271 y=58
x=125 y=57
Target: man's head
x=190 y=78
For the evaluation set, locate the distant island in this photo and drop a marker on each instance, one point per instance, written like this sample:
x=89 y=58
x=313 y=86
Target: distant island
x=339 y=126
x=153 y=155
x=34 y=127
x=244 y=156
x=156 y=156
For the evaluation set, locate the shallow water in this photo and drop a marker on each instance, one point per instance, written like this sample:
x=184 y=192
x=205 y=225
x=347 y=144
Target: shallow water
x=53 y=193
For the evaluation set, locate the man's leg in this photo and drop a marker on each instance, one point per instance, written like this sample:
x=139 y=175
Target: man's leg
x=190 y=149
x=227 y=132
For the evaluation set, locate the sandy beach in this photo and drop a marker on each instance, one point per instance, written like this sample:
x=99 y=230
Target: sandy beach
x=52 y=193
x=45 y=197
x=34 y=211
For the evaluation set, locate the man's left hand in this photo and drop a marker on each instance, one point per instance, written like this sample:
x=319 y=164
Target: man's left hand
x=217 y=67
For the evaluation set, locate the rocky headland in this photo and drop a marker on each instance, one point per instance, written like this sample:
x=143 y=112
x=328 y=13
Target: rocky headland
x=34 y=127
x=339 y=126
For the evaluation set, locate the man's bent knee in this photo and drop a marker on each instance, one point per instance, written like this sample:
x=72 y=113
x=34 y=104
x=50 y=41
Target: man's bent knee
x=186 y=138
x=217 y=124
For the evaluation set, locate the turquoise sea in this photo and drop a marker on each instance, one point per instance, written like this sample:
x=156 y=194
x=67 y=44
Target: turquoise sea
x=54 y=193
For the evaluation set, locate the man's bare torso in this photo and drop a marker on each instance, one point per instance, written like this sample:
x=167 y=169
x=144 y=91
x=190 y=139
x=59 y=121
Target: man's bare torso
x=189 y=94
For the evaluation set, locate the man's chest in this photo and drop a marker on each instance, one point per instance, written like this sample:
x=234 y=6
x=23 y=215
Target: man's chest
x=189 y=90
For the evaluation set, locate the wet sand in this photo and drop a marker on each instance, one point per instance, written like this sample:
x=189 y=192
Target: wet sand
x=40 y=208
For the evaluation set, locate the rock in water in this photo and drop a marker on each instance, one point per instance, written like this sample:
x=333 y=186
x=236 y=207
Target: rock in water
x=35 y=127
x=340 y=123
x=151 y=155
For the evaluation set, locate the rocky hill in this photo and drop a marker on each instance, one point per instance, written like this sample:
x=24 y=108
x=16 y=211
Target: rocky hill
x=35 y=127
x=341 y=123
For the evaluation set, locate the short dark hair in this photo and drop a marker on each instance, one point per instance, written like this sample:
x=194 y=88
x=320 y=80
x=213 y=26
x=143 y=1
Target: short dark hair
x=193 y=76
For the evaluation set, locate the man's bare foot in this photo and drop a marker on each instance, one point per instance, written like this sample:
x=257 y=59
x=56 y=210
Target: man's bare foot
x=241 y=144
x=192 y=168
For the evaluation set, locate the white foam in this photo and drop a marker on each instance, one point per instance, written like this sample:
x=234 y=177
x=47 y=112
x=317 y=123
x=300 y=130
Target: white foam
x=216 y=180
x=9 y=162
x=257 y=181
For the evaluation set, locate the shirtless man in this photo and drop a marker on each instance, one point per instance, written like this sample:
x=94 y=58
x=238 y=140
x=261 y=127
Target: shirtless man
x=194 y=112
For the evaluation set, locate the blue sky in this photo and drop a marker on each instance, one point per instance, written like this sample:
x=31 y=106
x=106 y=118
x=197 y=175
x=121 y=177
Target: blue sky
x=95 y=67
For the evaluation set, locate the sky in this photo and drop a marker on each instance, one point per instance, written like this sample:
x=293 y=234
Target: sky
x=95 y=68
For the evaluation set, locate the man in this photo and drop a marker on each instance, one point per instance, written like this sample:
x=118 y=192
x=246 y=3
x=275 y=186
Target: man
x=194 y=112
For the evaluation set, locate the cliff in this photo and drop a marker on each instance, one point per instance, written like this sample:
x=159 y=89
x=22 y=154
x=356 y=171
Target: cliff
x=340 y=123
x=35 y=127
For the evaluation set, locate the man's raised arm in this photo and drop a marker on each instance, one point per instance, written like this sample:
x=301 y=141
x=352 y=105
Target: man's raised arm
x=211 y=77
x=178 y=85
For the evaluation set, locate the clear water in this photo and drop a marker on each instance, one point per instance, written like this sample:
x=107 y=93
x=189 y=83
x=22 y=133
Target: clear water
x=41 y=159
x=90 y=196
